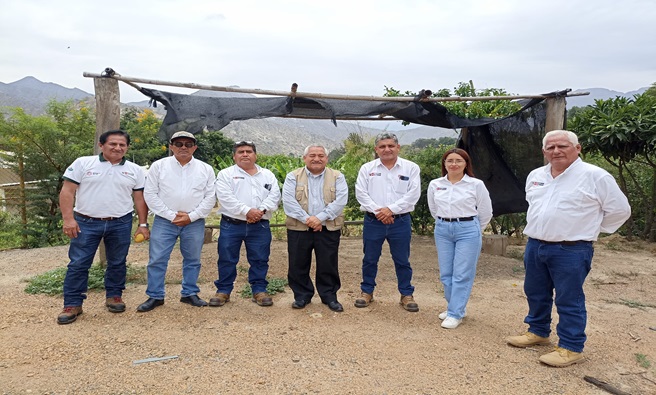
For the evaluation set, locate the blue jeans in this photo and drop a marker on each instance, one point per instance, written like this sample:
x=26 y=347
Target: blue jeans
x=458 y=248
x=162 y=240
x=257 y=238
x=117 y=236
x=562 y=268
x=398 y=235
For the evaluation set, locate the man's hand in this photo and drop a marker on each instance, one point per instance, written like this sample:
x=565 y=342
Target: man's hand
x=314 y=223
x=385 y=215
x=181 y=219
x=71 y=228
x=254 y=215
x=144 y=231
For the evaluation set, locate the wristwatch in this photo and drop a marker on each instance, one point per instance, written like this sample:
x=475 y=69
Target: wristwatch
x=143 y=225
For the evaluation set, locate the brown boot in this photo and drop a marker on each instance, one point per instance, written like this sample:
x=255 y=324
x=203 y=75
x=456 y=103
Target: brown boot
x=115 y=304
x=69 y=314
x=408 y=303
x=526 y=340
x=561 y=357
x=219 y=299
x=262 y=299
x=364 y=300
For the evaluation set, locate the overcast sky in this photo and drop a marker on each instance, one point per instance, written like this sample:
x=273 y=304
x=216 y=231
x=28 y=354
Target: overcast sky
x=340 y=47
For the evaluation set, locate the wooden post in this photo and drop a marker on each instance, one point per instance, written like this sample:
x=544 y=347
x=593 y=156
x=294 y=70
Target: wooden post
x=108 y=117
x=555 y=113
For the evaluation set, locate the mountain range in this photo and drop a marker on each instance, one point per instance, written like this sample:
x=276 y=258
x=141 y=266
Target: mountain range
x=274 y=135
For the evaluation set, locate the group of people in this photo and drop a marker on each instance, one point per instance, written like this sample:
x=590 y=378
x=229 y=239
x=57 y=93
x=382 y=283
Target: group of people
x=570 y=203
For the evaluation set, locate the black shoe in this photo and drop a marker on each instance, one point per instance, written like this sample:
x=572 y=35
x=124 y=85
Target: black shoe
x=335 y=306
x=193 y=300
x=300 y=304
x=149 y=305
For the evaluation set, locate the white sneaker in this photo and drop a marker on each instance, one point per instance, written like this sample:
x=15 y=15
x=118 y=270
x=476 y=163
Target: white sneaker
x=443 y=315
x=451 y=323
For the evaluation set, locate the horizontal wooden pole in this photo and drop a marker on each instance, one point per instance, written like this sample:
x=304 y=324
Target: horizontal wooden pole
x=131 y=80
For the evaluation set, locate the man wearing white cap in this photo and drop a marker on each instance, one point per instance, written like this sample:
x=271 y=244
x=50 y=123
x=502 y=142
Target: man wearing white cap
x=180 y=192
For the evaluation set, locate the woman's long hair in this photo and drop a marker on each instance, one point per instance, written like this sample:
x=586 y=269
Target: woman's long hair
x=468 y=165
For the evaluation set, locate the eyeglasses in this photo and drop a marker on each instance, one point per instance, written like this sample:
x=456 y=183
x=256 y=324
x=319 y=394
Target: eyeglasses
x=454 y=161
x=244 y=142
x=180 y=144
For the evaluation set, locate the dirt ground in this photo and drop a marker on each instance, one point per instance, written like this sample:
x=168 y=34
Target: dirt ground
x=242 y=348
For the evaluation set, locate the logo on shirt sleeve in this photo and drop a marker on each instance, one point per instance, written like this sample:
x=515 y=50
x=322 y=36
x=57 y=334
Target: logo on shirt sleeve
x=237 y=178
x=537 y=184
x=375 y=174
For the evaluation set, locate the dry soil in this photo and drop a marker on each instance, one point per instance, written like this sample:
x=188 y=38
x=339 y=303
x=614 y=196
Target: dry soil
x=242 y=348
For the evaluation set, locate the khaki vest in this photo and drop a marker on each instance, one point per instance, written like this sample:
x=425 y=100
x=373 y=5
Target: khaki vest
x=329 y=191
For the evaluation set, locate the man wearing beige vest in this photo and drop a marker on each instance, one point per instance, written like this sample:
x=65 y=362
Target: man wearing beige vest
x=314 y=197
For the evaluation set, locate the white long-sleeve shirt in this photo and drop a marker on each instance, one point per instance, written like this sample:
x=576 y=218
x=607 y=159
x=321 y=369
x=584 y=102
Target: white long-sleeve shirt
x=466 y=198
x=238 y=192
x=397 y=188
x=578 y=204
x=172 y=187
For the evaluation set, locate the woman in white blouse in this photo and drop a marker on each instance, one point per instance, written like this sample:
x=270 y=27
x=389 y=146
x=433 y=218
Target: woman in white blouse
x=462 y=208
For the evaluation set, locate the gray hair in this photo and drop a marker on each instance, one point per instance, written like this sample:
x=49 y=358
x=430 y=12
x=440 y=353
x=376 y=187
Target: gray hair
x=570 y=136
x=307 y=149
x=386 y=136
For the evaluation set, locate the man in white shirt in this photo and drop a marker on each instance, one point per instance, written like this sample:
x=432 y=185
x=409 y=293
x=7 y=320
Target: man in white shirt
x=387 y=189
x=570 y=203
x=180 y=192
x=97 y=201
x=314 y=197
x=248 y=195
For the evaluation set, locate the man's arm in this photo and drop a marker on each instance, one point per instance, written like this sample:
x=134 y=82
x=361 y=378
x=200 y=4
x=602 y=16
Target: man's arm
x=66 y=204
x=142 y=212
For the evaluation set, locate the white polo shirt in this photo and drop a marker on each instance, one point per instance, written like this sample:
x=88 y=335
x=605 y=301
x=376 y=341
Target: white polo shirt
x=171 y=187
x=397 y=188
x=238 y=192
x=104 y=190
x=466 y=198
x=578 y=204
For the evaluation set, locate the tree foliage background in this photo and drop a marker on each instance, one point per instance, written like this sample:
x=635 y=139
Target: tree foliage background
x=618 y=134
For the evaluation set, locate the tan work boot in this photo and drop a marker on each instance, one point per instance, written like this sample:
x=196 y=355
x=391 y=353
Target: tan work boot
x=526 y=340
x=219 y=299
x=408 y=303
x=364 y=300
x=69 y=314
x=115 y=304
x=561 y=357
x=262 y=299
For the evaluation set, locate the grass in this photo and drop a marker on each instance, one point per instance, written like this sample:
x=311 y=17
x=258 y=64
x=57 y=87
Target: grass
x=275 y=286
x=52 y=282
x=643 y=361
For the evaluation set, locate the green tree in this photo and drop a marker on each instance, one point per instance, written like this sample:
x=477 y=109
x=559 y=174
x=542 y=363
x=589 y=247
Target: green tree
x=622 y=131
x=469 y=109
x=142 y=126
x=212 y=146
x=41 y=149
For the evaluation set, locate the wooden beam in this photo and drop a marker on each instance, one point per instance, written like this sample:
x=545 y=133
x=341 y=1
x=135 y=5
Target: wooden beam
x=108 y=107
x=555 y=113
x=108 y=117
x=131 y=80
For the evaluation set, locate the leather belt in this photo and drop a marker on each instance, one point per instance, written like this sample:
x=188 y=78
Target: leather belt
x=236 y=221
x=565 y=242
x=395 y=216
x=96 y=218
x=456 y=219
